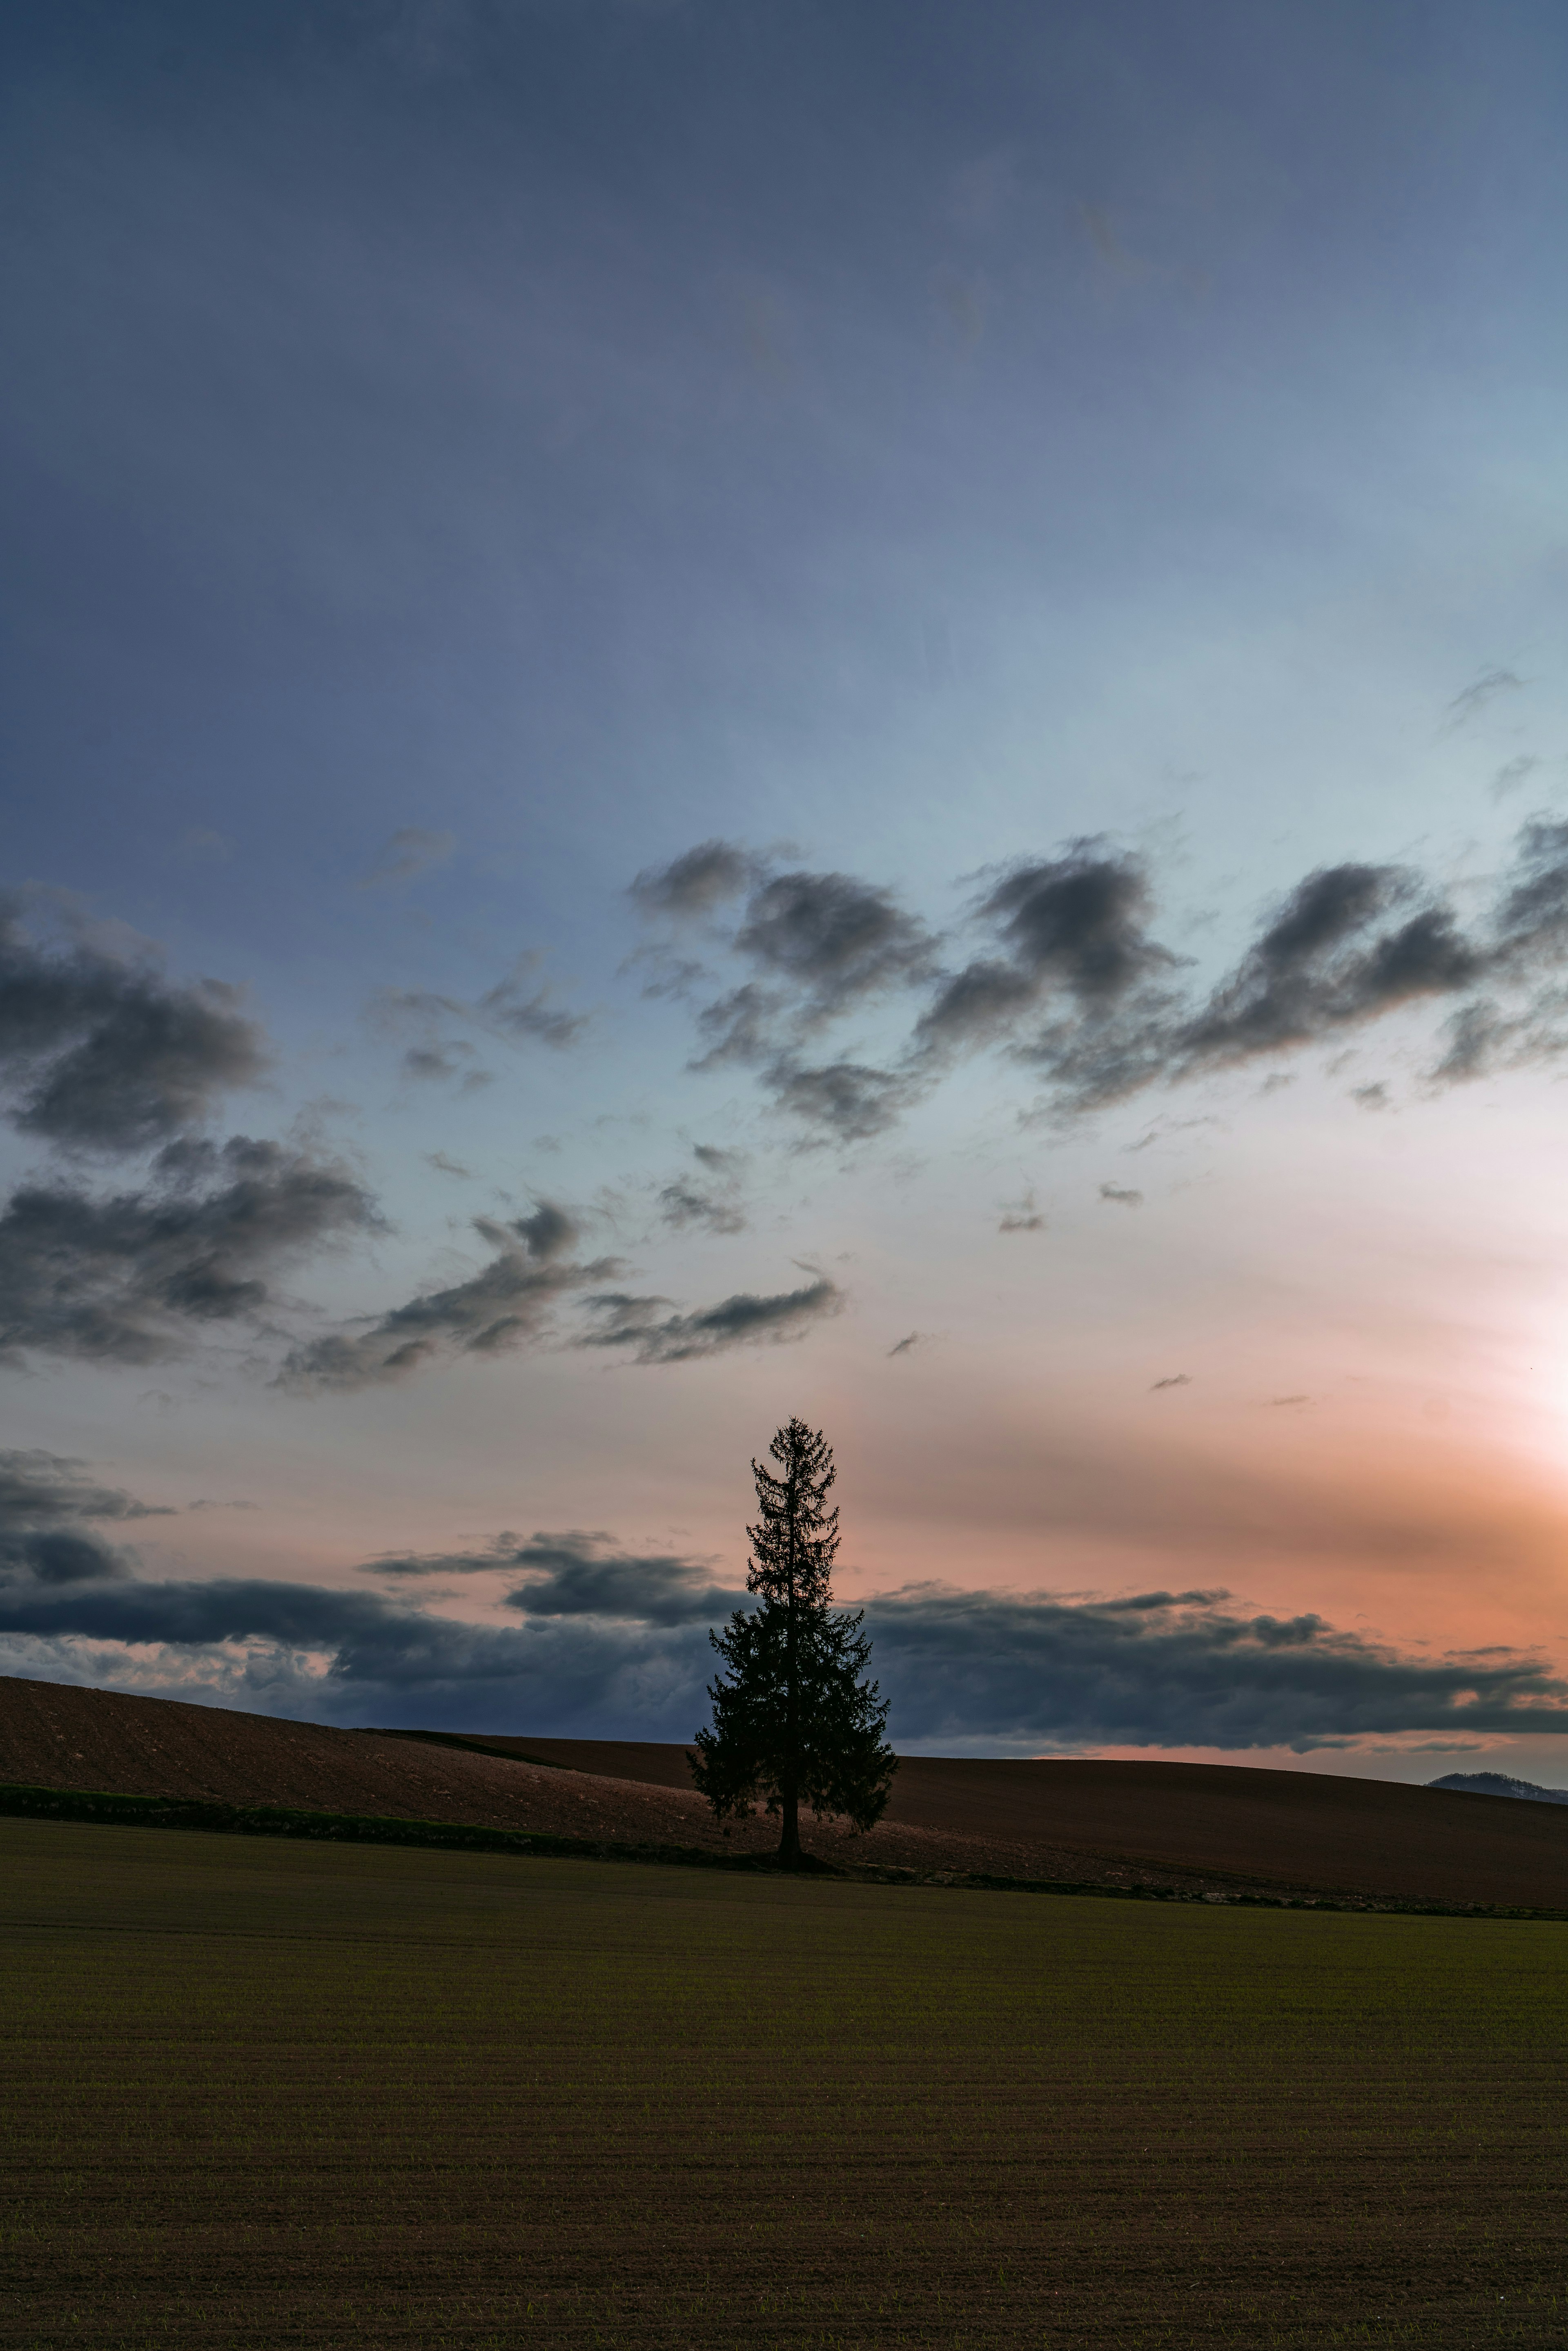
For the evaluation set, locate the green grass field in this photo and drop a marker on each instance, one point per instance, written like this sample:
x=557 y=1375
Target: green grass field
x=269 y=2093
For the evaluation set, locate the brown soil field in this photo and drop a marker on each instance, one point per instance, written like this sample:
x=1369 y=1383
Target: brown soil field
x=1195 y=1828
x=256 y=2095
x=1291 y=1831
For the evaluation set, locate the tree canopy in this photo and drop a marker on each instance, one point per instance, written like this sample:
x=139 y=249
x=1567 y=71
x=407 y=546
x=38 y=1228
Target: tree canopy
x=794 y=1719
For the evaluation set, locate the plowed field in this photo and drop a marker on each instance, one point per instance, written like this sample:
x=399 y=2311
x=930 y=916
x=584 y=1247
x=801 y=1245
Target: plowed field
x=1195 y=1828
x=262 y=2095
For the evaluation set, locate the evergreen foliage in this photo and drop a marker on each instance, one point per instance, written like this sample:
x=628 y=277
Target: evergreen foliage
x=794 y=1720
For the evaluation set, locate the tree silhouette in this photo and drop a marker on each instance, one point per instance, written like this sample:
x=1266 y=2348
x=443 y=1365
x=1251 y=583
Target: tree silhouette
x=794 y=1720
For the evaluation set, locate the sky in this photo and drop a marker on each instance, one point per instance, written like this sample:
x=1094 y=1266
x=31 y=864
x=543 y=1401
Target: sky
x=720 y=711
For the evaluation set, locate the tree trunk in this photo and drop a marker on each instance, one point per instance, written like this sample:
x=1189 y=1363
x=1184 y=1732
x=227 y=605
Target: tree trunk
x=790 y=1835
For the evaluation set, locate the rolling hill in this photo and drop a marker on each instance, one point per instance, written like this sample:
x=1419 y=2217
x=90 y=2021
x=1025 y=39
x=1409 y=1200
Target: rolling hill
x=1196 y=1827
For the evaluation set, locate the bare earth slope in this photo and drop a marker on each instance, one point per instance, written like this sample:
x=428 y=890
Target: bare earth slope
x=54 y=1736
x=1288 y=1829
x=1200 y=1828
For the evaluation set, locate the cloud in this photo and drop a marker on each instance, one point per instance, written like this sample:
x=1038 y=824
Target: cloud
x=578 y=1574
x=833 y=940
x=1513 y=773
x=680 y=1206
x=1073 y=924
x=38 y=1488
x=1074 y=986
x=1021 y=1216
x=906 y=1346
x=409 y=851
x=1175 y=1380
x=695 y=883
x=839 y=1101
x=98 y=1050
x=509 y=1008
x=516 y=1008
x=445 y=1166
x=1475 y=697
x=714 y=1203
x=738 y=1027
x=1178 y=1670
x=1121 y=1196
x=744 y=1320
x=427 y=1063
x=581 y=1574
x=615 y=1643
x=1322 y=966
x=820 y=945
x=45 y=1499
x=507 y=1304
x=129 y=1279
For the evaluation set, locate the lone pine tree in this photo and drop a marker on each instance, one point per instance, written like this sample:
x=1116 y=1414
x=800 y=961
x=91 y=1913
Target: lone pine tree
x=794 y=1720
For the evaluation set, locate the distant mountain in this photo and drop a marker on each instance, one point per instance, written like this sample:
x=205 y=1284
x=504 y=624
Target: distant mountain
x=1497 y=1783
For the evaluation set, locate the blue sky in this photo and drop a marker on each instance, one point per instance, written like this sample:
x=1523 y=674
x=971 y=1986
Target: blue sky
x=459 y=459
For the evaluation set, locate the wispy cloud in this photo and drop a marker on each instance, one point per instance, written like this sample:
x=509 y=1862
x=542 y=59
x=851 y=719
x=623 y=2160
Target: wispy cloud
x=409 y=851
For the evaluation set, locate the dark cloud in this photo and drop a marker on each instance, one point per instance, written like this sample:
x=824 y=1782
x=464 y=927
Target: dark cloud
x=651 y=1336
x=714 y=1201
x=1178 y=1670
x=695 y=883
x=840 y=1102
x=615 y=1643
x=1175 y=1380
x=1531 y=920
x=1074 y=984
x=820 y=946
x=550 y=1232
x=905 y=1346
x=46 y=1500
x=510 y=1302
x=518 y=1008
x=38 y=1488
x=1320 y=967
x=1120 y=1196
x=410 y=850
x=129 y=1279
x=578 y=1574
x=521 y=1013
x=444 y=1064
x=680 y=1205
x=1475 y=697
x=740 y=1026
x=1022 y=1217
x=833 y=940
x=1074 y=925
x=98 y=1050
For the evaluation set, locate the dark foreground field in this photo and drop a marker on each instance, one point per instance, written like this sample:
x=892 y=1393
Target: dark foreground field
x=262 y=2094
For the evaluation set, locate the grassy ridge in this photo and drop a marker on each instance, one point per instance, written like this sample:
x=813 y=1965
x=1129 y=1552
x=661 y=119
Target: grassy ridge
x=262 y=2093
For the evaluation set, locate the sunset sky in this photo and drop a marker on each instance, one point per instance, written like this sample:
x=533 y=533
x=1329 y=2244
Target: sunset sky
x=750 y=707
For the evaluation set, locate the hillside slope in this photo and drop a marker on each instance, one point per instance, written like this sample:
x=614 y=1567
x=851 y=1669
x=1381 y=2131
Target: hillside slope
x=1289 y=1829
x=1199 y=1827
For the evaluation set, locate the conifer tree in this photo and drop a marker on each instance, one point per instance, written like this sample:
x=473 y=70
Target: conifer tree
x=794 y=1720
